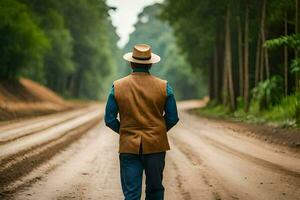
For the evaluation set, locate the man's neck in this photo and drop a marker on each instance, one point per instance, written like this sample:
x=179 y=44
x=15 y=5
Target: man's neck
x=140 y=69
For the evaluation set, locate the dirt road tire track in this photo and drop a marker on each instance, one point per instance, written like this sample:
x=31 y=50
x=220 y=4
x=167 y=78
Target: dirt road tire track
x=37 y=130
x=31 y=158
x=206 y=180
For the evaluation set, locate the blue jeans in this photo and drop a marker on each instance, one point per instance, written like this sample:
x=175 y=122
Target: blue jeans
x=132 y=167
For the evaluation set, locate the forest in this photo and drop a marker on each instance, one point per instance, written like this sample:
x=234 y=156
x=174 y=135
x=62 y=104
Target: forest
x=244 y=55
x=69 y=46
x=248 y=49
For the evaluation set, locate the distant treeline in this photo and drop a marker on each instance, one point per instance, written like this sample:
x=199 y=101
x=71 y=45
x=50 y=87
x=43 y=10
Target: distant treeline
x=70 y=46
x=248 y=48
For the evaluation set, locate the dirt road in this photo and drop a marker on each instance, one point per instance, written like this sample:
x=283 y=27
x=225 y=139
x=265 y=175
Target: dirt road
x=74 y=156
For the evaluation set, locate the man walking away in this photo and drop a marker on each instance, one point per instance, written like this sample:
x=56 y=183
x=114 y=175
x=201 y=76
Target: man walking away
x=147 y=110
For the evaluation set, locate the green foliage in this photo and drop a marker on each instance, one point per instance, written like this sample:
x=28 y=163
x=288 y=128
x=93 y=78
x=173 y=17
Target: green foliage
x=278 y=8
x=22 y=43
x=194 y=25
x=89 y=26
x=295 y=66
x=240 y=102
x=215 y=110
x=268 y=92
x=199 y=28
x=292 y=41
x=67 y=45
x=297 y=109
x=286 y=113
x=58 y=62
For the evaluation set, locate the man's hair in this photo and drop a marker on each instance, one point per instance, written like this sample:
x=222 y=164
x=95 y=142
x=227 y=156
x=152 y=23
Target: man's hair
x=138 y=65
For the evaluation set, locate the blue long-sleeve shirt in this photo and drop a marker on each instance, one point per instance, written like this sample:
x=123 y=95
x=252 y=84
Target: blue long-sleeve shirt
x=111 y=110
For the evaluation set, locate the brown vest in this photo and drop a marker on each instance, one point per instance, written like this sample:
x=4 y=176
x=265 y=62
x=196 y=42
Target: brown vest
x=141 y=99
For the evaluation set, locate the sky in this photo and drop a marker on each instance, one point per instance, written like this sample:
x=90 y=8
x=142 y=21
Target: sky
x=125 y=16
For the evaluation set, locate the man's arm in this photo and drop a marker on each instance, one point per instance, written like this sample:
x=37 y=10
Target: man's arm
x=111 y=112
x=171 y=115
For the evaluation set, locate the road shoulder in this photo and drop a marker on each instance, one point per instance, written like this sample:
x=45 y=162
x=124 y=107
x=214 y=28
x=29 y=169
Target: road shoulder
x=288 y=138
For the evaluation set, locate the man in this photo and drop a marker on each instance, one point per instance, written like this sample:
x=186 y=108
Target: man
x=147 y=110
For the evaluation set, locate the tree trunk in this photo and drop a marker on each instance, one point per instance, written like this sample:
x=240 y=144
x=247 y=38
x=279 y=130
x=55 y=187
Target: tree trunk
x=211 y=87
x=263 y=37
x=285 y=55
x=296 y=51
x=221 y=58
x=216 y=71
x=257 y=60
x=261 y=65
x=225 y=82
x=246 y=60
x=240 y=54
x=225 y=74
x=228 y=60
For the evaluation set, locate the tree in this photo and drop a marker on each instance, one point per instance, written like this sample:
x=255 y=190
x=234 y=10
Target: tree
x=228 y=84
x=246 y=59
x=22 y=43
x=297 y=77
x=67 y=45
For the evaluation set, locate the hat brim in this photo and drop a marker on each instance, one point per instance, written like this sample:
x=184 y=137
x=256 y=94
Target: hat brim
x=154 y=59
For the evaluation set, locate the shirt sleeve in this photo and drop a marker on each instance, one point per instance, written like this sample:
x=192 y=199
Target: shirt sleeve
x=171 y=114
x=111 y=112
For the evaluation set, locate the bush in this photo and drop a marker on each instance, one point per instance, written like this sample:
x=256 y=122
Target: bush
x=297 y=109
x=285 y=112
x=268 y=93
x=215 y=110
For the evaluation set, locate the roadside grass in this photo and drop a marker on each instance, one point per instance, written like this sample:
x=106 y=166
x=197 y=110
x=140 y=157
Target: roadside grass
x=285 y=114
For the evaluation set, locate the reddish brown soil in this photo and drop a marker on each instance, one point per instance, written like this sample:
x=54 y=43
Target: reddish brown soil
x=26 y=98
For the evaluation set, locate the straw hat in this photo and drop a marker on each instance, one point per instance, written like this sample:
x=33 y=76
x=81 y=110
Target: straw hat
x=142 y=54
